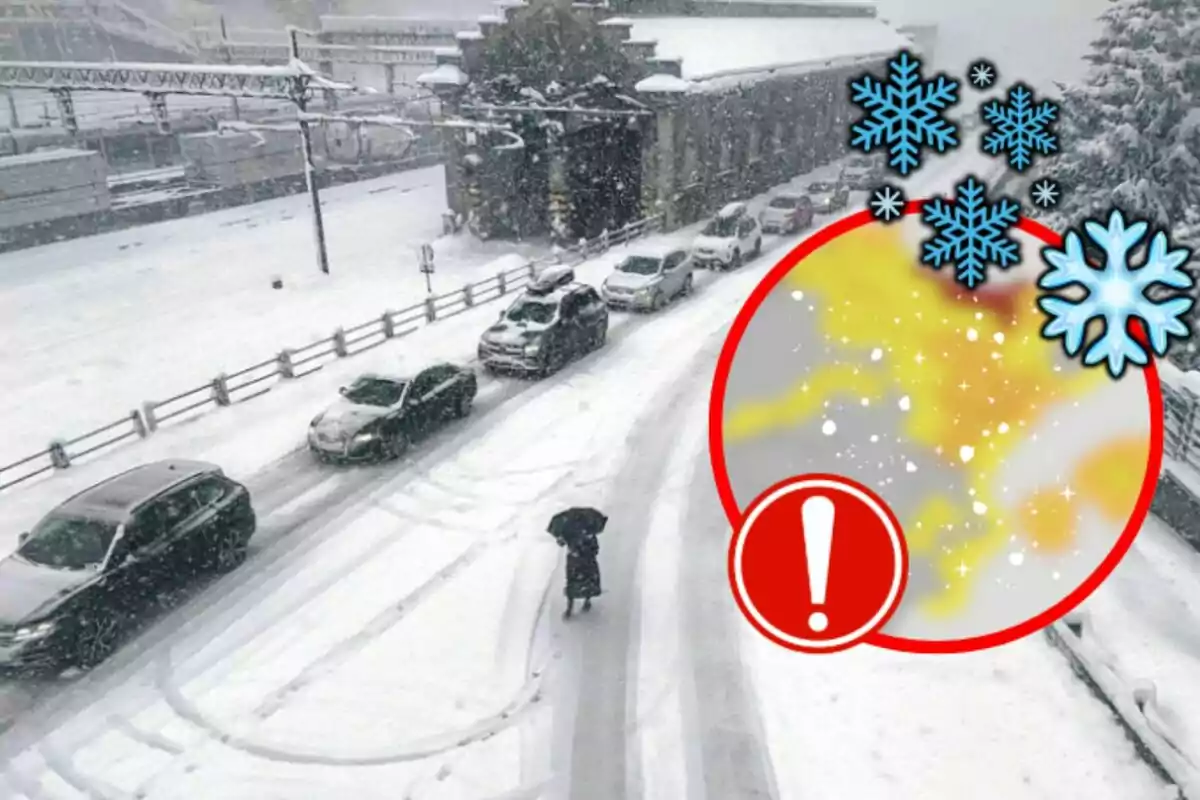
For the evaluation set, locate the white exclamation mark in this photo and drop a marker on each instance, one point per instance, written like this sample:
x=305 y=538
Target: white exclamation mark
x=817 y=516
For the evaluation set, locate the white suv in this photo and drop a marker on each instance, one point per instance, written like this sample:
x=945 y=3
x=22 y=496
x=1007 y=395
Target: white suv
x=732 y=235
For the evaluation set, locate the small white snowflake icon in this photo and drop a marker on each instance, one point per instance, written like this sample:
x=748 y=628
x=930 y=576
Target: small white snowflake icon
x=887 y=203
x=982 y=74
x=1046 y=193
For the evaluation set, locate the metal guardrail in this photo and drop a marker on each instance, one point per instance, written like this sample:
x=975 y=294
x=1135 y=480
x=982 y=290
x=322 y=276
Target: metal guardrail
x=258 y=379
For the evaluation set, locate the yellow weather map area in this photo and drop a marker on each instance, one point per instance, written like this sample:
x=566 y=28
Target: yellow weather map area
x=974 y=380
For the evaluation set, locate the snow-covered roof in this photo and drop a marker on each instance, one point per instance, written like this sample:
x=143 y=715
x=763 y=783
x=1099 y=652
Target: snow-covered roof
x=618 y=22
x=468 y=36
x=650 y=249
x=666 y=84
x=367 y=24
x=50 y=154
x=491 y=19
x=711 y=49
x=444 y=75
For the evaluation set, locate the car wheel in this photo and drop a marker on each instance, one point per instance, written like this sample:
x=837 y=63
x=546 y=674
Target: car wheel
x=658 y=300
x=689 y=285
x=396 y=445
x=96 y=640
x=230 y=552
x=462 y=408
x=757 y=248
x=736 y=261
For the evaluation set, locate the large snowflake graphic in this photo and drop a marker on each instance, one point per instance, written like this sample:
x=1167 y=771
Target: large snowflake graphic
x=904 y=114
x=970 y=233
x=1116 y=293
x=1019 y=128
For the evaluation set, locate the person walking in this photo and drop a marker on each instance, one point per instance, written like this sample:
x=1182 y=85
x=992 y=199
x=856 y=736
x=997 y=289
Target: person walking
x=583 y=572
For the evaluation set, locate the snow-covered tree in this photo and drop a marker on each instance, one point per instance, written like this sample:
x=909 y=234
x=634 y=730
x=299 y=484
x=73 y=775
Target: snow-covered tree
x=1131 y=134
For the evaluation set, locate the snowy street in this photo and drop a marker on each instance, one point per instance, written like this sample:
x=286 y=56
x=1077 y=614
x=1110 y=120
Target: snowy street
x=396 y=633
x=107 y=322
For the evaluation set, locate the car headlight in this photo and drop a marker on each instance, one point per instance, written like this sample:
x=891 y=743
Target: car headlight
x=316 y=420
x=533 y=348
x=365 y=436
x=31 y=633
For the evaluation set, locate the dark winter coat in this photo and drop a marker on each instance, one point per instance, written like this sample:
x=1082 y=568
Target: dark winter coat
x=583 y=568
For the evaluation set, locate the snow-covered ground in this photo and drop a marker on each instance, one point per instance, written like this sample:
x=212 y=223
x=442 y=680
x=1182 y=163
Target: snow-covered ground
x=395 y=631
x=107 y=322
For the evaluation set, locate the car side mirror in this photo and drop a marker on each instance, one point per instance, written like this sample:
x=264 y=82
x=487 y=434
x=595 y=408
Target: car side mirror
x=21 y=539
x=342 y=391
x=501 y=315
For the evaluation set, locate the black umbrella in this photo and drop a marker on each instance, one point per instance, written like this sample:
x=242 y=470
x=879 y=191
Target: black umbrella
x=575 y=522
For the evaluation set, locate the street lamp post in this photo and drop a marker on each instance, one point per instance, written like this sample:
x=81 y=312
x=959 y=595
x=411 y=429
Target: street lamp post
x=300 y=98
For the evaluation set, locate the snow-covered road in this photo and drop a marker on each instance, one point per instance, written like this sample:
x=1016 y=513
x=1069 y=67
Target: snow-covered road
x=395 y=632
x=105 y=323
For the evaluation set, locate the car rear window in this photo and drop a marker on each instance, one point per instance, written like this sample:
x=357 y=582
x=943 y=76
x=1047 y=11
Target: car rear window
x=784 y=202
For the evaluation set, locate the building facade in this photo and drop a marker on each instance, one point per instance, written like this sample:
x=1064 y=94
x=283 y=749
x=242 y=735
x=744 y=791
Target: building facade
x=690 y=105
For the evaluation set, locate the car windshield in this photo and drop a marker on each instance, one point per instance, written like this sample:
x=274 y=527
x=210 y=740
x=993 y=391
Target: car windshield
x=65 y=542
x=375 y=392
x=640 y=265
x=722 y=227
x=820 y=187
x=784 y=202
x=539 y=312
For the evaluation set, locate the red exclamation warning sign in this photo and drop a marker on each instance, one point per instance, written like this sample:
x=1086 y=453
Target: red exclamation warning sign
x=818 y=564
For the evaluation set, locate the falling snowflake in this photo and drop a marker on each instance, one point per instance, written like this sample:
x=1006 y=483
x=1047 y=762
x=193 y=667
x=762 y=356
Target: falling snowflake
x=1045 y=193
x=904 y=114
x=1116 y=293
x=1019 y=128
x=970 y=233
x=887 y=203
x=982 y=74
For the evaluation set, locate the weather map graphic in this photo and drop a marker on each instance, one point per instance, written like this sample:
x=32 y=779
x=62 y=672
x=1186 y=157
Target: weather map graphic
x=979 y=434
x=905 y=114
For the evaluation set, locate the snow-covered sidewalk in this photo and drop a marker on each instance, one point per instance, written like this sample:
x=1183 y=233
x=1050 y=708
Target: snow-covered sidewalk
x=94 y=327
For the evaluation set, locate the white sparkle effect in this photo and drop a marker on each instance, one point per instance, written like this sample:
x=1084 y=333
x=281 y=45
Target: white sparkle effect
x=876 y=354
x=797 y=295
x=1016 y=559
x=905 y=403
x=998 y=338
x=829 y=427
x=966 y=453
x=979 y=508
x=910 y=467
x=972 y=335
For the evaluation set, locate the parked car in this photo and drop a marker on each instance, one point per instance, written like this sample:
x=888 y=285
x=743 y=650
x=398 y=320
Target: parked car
x=380 y=416
x=732 y=234
x=828 y=196
x=555 y=321
x=649 y=279
x=787 y=213
x=862 y=173
x=90 y=566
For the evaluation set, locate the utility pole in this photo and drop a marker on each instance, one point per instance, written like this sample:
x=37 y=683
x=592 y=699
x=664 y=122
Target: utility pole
x=227 y=54
x=300 y=98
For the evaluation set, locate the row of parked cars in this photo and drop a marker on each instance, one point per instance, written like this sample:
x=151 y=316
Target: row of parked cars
x=94 y=564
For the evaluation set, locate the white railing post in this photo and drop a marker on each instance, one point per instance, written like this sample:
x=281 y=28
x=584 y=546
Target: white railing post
x=502 y=283
x=149 y=413
x=339 y=343
x=468 y=296
x=58 y=455
x=139 y=424
x=220 y=390
x=389 y=325
x=430 y=309
x=283 y=364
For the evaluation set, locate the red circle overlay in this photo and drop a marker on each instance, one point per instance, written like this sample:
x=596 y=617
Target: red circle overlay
x=865 y=573
x=997 y=298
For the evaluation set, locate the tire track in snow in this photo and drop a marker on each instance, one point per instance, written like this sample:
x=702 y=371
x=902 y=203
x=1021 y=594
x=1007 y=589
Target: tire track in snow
x=607 y=639
x=723 y=711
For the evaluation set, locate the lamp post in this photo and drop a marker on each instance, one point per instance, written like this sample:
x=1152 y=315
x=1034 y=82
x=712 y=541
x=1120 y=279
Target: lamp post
x=300 y=98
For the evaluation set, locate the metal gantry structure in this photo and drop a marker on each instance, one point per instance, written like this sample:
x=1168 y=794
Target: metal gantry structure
x=294 y=82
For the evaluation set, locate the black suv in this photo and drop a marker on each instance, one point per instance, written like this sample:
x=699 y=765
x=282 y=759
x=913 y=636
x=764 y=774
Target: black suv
x=106 y=554
x=555 y=321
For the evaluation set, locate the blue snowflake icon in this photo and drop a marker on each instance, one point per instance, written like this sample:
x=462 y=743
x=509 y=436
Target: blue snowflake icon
x=970 y=233
x=1046 y=193
x=887 y=203
x=982 y=74
x=1116 y=293
x=905 y=114
x=1019 y=127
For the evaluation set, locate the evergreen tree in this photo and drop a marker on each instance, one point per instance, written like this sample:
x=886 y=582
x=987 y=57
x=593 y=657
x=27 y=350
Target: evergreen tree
x=1131 y=134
